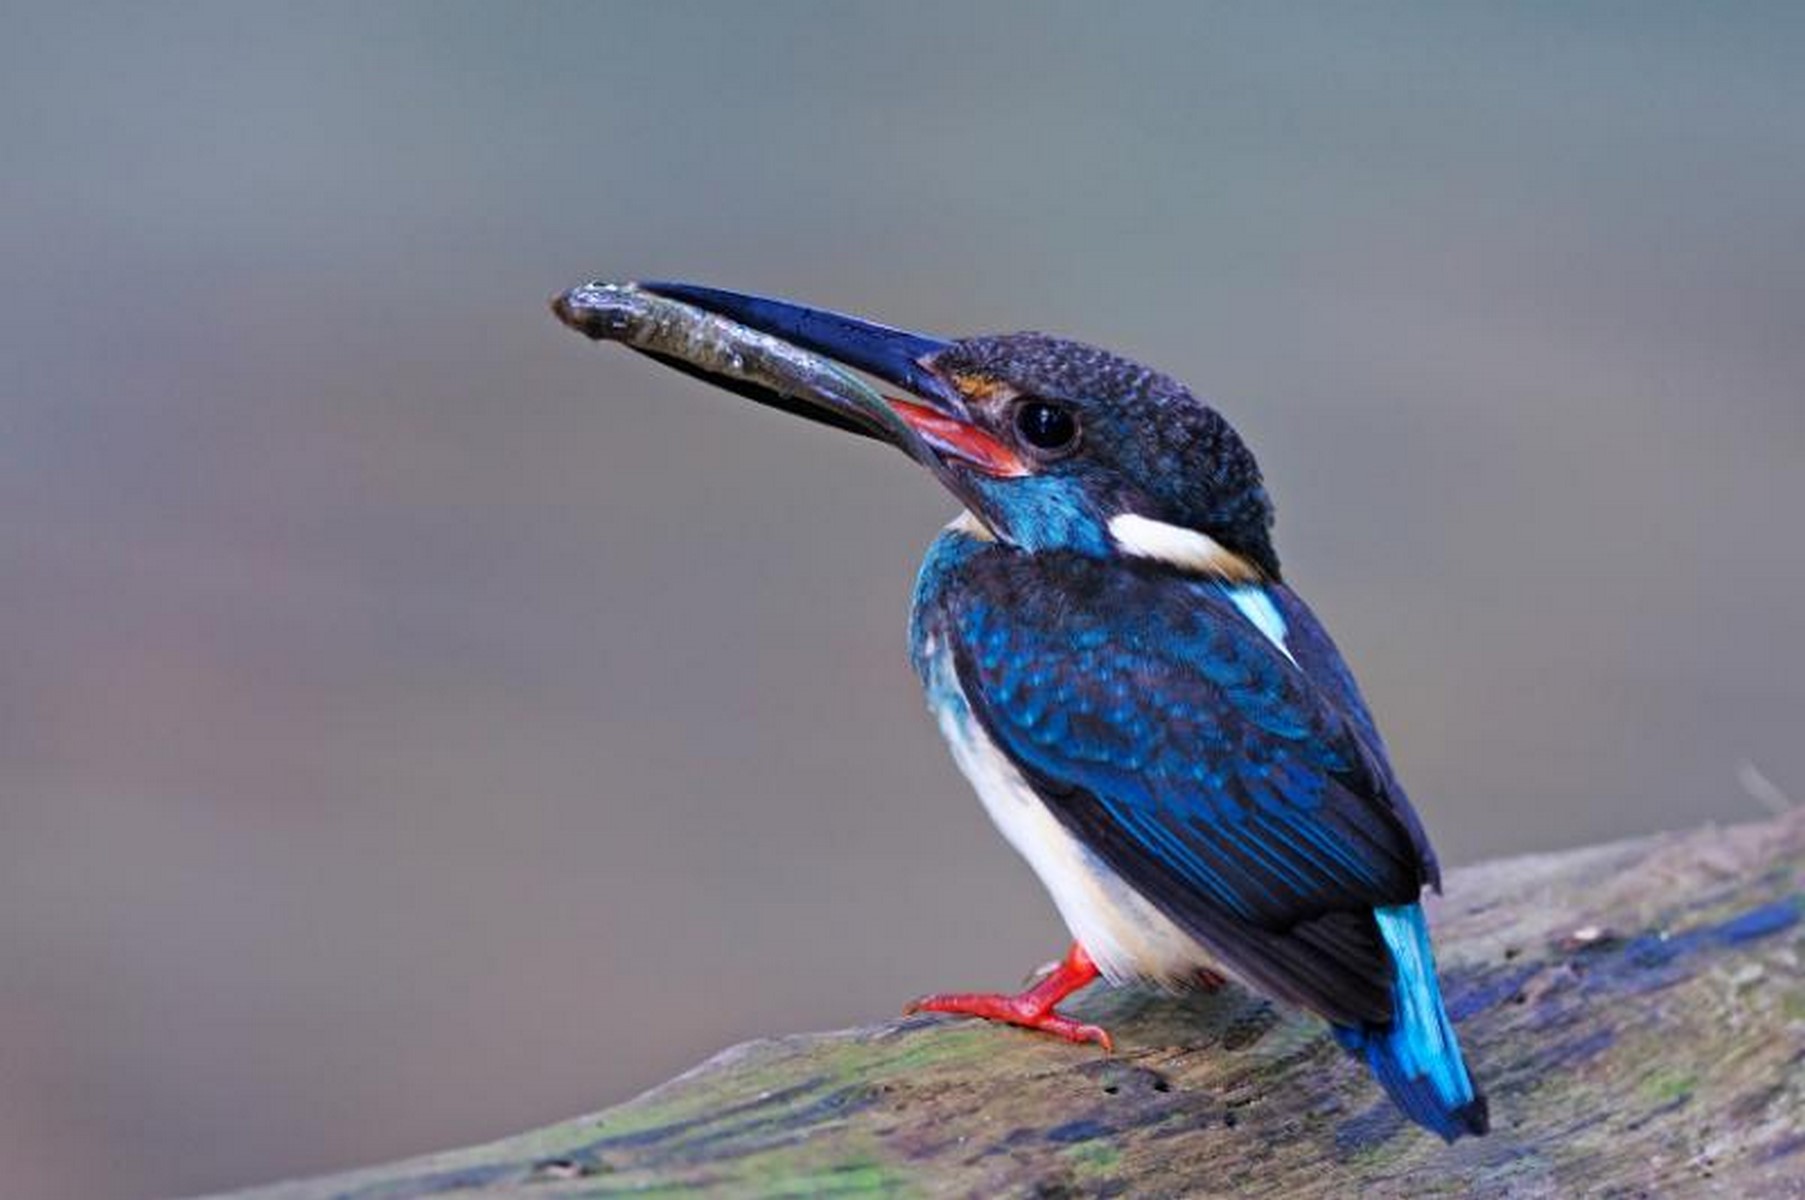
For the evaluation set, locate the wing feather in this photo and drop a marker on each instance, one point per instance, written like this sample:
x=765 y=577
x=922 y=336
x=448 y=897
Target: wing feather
x=1243 y=793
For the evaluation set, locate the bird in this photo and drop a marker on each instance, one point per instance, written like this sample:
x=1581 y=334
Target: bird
x=1148 y=712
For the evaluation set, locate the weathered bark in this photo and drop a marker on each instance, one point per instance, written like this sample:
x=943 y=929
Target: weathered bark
x=1636 y=1011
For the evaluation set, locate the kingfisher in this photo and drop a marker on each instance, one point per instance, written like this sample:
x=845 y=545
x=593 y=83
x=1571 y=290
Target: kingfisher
x=1149 y=713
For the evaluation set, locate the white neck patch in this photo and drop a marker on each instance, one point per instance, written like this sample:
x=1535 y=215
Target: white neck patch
x=970 y=526
x=1189 y=549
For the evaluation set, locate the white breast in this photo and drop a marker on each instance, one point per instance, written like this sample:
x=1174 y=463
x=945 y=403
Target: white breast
x=1125 y=934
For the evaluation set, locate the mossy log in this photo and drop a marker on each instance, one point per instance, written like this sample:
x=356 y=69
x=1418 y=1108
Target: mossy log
x=1636 y=1011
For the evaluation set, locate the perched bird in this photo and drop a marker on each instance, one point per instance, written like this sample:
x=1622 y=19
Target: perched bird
x=1151 y=716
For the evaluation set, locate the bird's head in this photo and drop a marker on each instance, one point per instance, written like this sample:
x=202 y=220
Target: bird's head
x=1085 y=450
x=1051 y=444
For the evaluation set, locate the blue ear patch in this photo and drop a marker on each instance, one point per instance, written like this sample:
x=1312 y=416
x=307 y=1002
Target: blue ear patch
x=1043 y=512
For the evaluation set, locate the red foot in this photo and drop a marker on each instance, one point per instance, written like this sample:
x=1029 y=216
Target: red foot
x=1206 y=980
x=1032 y=1009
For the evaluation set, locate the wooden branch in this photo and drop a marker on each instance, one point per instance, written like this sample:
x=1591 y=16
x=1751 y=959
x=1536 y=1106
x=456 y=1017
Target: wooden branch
x=1636 y=1011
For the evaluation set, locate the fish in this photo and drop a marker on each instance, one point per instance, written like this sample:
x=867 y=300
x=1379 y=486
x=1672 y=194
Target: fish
x=741 y=359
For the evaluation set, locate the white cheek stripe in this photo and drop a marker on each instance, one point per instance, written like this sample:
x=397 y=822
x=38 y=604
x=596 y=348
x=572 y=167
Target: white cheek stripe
x=1187 y=549
x=1144 y=537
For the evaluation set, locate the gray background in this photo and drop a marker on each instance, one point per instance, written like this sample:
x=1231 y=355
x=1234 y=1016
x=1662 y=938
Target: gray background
x=416 y=723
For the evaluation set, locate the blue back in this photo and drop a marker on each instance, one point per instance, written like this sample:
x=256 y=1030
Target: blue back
x=1242 y=792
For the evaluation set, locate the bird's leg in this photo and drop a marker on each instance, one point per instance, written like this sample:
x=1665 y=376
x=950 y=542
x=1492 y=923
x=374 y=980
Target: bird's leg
x=1033 y=1008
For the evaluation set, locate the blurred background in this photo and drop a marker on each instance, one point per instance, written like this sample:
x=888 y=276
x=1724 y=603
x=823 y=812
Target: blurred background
x=417 y=723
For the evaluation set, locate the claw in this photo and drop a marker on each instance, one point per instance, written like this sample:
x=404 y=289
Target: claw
x=1032 y=1009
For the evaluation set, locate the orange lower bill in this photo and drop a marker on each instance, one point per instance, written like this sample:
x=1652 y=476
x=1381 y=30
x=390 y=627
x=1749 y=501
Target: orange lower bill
x=955 y=438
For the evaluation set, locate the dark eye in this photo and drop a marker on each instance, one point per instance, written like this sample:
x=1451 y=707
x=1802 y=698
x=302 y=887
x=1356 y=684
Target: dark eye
x=1046 y=426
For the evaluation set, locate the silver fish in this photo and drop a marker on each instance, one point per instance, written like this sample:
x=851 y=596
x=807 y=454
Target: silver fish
x=767 y=368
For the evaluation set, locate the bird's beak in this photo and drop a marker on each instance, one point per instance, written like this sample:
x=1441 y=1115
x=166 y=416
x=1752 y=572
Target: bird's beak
x=933 y=424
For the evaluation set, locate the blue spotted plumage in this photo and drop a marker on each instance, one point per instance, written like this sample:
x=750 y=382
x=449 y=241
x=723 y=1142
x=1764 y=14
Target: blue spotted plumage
x=1191 y=753
x=1149 y=713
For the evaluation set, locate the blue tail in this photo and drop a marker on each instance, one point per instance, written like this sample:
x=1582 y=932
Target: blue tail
x=1415 y=1058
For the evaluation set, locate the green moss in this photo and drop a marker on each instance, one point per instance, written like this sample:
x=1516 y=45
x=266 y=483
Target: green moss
x=1664 y=1086
x=964 y=1108
x=781 y=1175
x=1097 y=1155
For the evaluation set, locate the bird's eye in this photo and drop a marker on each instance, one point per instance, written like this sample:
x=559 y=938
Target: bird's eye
x=1050 y=427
